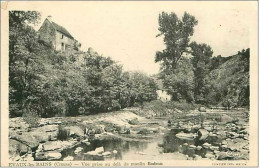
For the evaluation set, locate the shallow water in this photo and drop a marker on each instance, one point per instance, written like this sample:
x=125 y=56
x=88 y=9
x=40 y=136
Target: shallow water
x=140 y=150
x=124 y=149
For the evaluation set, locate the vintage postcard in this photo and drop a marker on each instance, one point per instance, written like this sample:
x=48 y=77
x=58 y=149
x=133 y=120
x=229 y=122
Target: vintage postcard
x=129 y=83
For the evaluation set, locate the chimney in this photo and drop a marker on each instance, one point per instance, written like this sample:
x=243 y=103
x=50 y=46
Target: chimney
x=49 y=18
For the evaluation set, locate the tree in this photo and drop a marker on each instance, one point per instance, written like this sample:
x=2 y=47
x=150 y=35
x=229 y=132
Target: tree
x=24 y=64
x=202 y=54
x=179 y=83
x=177 y=33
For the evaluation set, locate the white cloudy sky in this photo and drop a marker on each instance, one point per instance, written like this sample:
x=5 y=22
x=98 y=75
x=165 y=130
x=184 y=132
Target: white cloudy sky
x=126 y=31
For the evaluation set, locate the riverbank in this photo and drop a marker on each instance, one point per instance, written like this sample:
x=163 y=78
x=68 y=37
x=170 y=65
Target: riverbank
x=128 y=134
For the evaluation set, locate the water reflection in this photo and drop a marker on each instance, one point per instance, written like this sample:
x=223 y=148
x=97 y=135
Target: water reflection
x=122 y=149
x=131 y=150
x=188 y=147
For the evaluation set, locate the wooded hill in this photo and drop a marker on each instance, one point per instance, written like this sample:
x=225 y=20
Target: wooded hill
x=229 y=80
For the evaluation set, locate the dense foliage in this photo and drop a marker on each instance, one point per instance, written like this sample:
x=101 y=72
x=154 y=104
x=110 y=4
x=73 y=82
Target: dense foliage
x=189 y=72
x=229 y=82
x=46 y=83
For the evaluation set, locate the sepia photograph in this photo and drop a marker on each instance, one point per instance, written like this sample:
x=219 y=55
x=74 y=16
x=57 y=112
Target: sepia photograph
x=142 y=83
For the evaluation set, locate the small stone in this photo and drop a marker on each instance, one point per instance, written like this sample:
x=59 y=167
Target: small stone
x=57 y=122
x=114 y=151
x=192 y=146
x=68 y=158
x=86 y=142
x=214 y=148
x=224 y=146
x=78 y=150
x=198 y=148
x=79 y=120
x=206 y=145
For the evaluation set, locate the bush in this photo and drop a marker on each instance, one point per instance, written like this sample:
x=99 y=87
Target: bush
x=31 y=118
x=63 y=134
x=181 y=105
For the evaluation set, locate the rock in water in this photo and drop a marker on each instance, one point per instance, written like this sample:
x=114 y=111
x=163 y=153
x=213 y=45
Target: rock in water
x=186 y=136
x=202 y=109
x=99 y=150
x=106 y=153
x=203 y=134
x=206 y=145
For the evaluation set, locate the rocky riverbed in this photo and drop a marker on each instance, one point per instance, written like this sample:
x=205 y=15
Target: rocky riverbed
x=126 y=134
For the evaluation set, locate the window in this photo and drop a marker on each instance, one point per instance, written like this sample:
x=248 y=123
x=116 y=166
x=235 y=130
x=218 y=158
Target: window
x=62 y=36
x=62 y=46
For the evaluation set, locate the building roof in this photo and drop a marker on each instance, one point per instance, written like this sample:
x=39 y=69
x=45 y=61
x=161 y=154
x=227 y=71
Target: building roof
x=62 y=30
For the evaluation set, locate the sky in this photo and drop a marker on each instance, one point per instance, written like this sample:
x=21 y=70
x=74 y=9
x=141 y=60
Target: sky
x=126 y=31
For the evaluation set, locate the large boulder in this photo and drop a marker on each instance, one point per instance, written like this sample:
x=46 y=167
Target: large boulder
x=26 y=138
x=18 y=123
x=48 y=155
x=17 y=148
x=133 y=121
x=75 y=131
x=58 y=145
x=225 y=118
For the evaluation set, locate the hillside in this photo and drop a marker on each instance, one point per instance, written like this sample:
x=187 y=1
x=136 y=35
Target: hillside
x=229 y=82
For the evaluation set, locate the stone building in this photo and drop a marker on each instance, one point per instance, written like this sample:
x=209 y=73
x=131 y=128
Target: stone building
x=57 y=36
